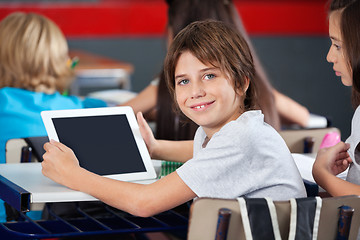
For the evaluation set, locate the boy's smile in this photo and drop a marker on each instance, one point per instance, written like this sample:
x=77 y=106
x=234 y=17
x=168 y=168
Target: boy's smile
x=201 y=106
x=205 y=94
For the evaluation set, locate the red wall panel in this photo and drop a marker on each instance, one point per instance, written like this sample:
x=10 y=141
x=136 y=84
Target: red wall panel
x=108 y=18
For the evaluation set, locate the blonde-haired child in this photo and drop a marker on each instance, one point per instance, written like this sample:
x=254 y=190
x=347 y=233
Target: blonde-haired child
x=34 y=71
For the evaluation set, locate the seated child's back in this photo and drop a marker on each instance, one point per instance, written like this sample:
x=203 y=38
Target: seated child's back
x=34 y=72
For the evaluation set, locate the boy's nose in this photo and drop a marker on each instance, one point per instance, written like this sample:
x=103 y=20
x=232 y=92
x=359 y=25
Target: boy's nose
x=197 y=91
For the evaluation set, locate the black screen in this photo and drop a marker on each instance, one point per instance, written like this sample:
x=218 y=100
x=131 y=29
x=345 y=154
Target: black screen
x=103 y=144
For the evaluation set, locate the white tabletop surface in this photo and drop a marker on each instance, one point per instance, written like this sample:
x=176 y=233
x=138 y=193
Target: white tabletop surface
x=42 y=189
x=305 y=162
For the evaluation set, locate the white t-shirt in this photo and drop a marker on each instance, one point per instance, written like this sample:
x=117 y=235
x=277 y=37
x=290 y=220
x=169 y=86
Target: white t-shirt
x=247 y=157
x=354 y=170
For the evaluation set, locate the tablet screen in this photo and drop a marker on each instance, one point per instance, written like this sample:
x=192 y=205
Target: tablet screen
x=103 y=144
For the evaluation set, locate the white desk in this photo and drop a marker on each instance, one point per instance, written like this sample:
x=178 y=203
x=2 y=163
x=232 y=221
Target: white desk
x=99 y=72
x=305 y=162
x=41 y=189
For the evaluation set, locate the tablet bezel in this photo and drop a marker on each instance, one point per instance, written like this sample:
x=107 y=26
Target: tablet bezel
x=150 y=173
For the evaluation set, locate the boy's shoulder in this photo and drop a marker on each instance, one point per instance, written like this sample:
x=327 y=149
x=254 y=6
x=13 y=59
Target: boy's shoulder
x=251 y=117
x=250 y=126
x=248 y=129
x=249 y=122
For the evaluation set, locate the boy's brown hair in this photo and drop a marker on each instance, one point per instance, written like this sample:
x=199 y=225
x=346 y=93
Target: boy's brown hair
x=215 y=43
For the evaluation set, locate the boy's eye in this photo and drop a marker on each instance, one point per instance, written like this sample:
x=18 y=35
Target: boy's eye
x=183 y=82
x=209 y=76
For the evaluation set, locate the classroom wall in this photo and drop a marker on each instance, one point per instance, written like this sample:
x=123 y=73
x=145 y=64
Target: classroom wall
x=290 y=38
x=296 y=66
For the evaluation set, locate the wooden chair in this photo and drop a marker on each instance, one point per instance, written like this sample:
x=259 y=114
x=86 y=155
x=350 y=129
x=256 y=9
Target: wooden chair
x=295 y=138
x=15 y=149
x=204 y=218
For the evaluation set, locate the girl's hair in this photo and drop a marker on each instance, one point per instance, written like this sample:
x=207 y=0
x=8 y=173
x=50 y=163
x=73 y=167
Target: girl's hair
x=198 y=10
x=218 y=44
x=33 y=54
x=350 y=31
x=335 y=5
x=176 y=126
x=172 y=124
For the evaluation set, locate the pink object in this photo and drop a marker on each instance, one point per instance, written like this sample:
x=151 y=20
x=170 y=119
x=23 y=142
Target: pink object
x=330 y=139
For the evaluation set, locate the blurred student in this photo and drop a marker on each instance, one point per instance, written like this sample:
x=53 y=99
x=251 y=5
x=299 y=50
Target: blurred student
x=344 y=53
x=235 y=152
x=34 y=72
x=174 y=126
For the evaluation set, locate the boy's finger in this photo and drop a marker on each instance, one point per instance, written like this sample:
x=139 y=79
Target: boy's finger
x=59 y=145
x=46 y=146
x=142 y=121
x=140 y=116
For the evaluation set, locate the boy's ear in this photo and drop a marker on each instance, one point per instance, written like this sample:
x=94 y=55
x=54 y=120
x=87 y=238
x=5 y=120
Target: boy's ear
x=242 y=90
x=246 y=84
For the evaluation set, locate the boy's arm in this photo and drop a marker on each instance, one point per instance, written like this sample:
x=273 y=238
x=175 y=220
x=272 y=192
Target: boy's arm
x=178 y=151
x=61 y=165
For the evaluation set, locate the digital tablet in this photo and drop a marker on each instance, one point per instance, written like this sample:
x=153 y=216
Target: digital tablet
x=106 y=141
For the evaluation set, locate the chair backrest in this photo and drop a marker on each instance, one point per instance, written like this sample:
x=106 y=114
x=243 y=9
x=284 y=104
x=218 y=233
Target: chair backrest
x=14 y=148
x=294 y=139
x=204 y=218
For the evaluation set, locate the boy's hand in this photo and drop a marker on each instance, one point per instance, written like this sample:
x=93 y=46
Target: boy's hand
x=60 y=163
x=334 y=159
x=147 y=134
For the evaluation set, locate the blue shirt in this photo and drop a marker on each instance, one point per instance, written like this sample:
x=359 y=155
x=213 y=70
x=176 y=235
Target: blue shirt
x=20 y=114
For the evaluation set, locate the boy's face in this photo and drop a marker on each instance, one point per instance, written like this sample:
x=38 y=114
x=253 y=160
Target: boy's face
x=205 y=94
x=336 y=51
